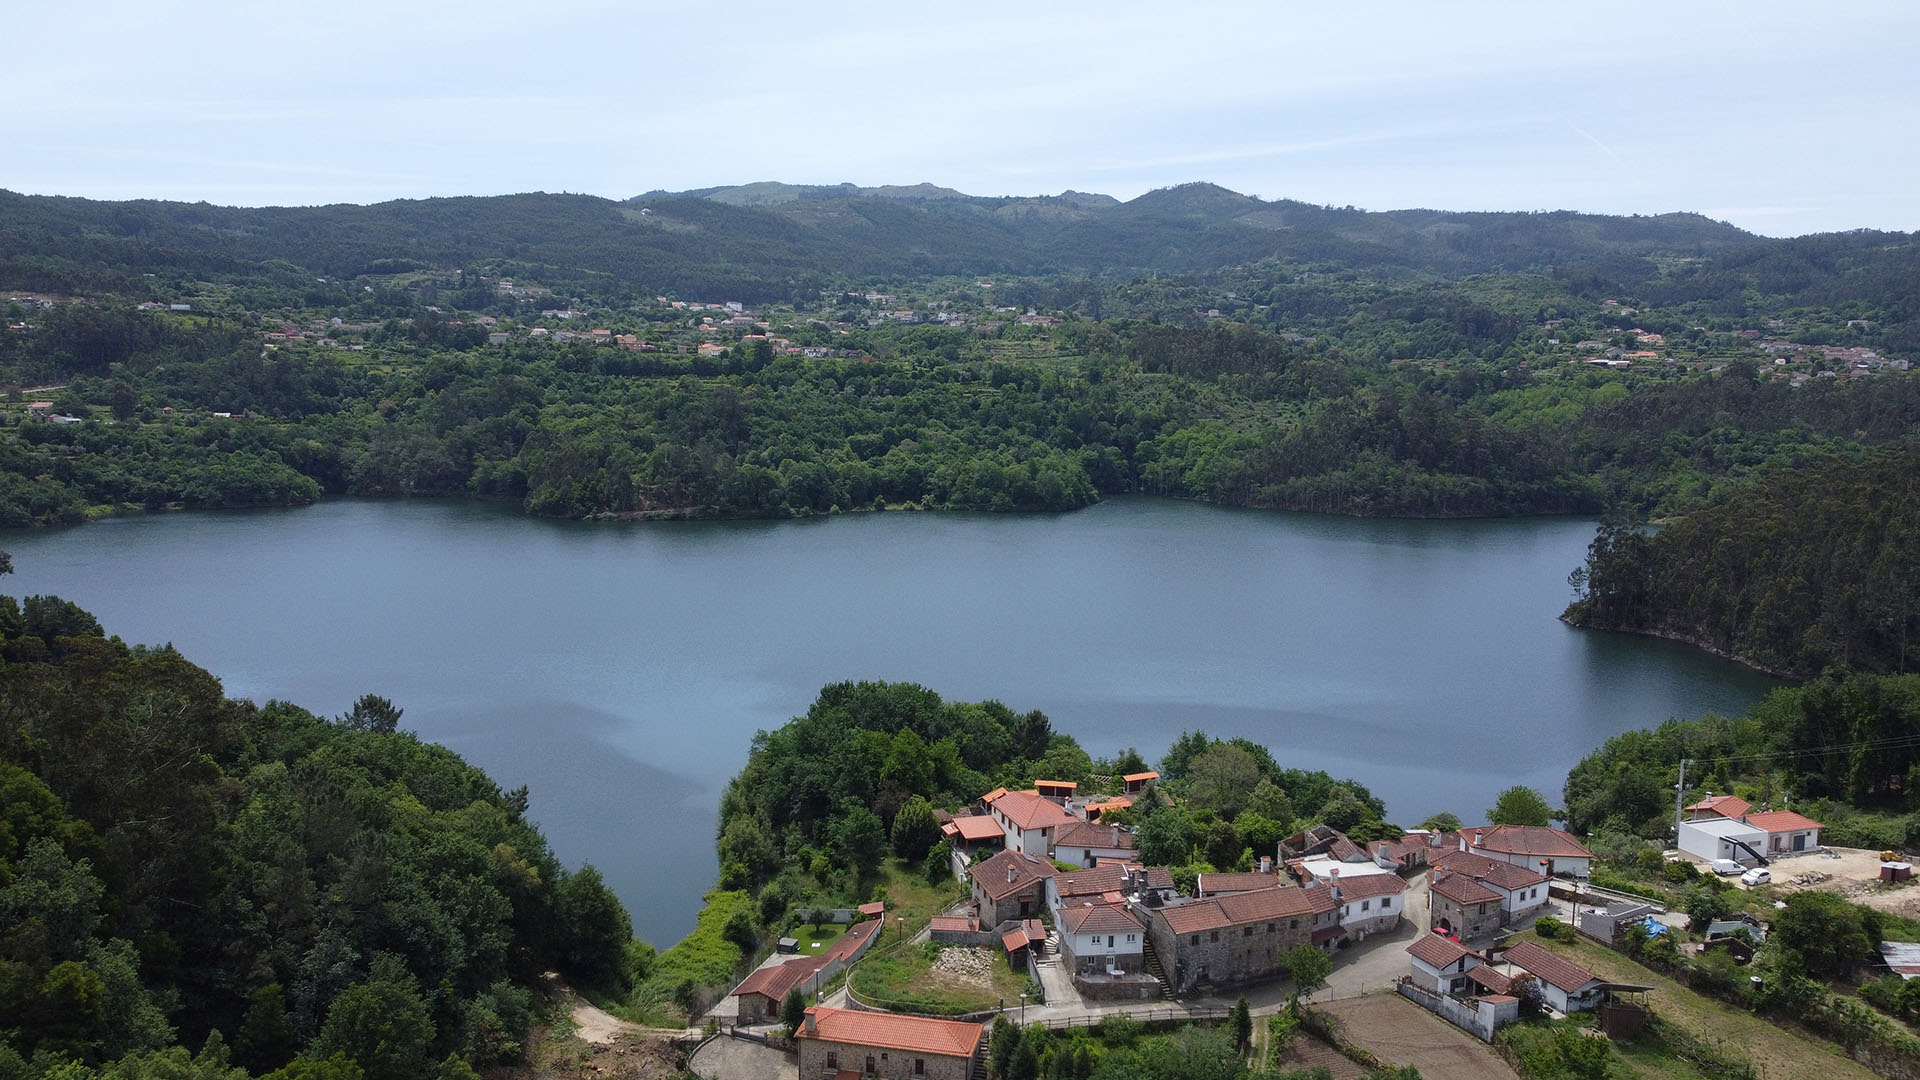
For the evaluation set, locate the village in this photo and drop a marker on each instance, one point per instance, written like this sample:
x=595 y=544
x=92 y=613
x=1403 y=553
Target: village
x=1434 y=917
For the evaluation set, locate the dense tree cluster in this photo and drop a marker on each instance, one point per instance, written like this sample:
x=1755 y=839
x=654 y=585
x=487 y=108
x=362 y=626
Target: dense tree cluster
x=177 y=867
x=1801 y=570
x=1850 y=738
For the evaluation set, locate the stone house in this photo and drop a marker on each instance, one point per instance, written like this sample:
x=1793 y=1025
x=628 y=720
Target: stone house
x=1461 y=906
x=1010 y=885
x=834 y=1041
x=1240 y=937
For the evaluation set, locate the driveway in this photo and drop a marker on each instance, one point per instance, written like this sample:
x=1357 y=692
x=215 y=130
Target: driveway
x=724 y=1058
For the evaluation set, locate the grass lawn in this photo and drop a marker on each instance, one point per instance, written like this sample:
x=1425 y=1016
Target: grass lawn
x=814 y=941
x=1777 y=1054
x=906 y=978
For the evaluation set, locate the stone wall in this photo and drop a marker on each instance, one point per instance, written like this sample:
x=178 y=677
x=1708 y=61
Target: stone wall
x=1466 y=921
x=819 y=1057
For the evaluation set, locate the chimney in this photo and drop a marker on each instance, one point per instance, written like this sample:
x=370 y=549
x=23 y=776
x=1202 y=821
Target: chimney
x=812 y=1028
x=1011 y=873
x=1266 y=864
x=1477 y=838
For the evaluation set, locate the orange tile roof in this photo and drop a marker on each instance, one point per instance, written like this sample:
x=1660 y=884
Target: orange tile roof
x=1098 y=808
x=878 y=907
x=946 y=1038
x=975 y=827
x=1440 y=952
x=1550 y=967
x=1030 y=810
x=1068 y=784
x=1133 y=776
x=954 y=924
x=1781 y=821
x=1015 y=939
x=1490 y=980
x=1235 y=909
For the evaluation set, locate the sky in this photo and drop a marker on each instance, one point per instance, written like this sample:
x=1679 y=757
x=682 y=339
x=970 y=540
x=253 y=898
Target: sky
x=1781 y=118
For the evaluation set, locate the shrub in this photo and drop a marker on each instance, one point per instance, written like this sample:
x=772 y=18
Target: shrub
x=1549 y=927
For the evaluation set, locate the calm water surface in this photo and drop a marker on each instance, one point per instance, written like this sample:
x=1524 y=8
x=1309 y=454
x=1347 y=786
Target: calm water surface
x=620 y=670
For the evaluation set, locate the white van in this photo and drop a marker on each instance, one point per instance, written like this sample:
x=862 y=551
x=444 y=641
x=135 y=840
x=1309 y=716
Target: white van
x=1727 y=867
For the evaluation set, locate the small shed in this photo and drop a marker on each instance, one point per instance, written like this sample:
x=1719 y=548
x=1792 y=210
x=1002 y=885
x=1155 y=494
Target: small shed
x=787 y=945
x=1896 y=871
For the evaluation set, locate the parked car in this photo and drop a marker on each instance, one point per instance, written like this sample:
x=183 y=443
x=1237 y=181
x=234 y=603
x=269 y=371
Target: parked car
x=1759 y=875
x=1727 y=867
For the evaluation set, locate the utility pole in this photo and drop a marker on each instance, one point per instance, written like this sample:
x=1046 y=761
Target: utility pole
x=1679 y=799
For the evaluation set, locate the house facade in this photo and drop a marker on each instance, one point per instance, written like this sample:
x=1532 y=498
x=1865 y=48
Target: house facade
x=1530 y=846
x=1523 y=892
x=1240 y=937
x=1370 y=904
x=1559 y=982
x=1441 y=964
x=1787 y=832
x=1101 y=938
x=1029 y=820
x=1010 y=885
x=1461 y=906
x=832 y=1041
x=1084 y=843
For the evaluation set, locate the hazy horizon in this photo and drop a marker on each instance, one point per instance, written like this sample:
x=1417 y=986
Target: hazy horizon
x=1777 y=118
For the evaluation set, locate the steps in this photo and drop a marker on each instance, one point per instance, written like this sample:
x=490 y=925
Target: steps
x=980 y=1057
x=1154 y=969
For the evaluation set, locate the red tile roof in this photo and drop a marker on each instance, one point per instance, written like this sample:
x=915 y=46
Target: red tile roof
x=1105 y=878
x=1211 y=884
x=1096 y=809
x=1070 y=785
x=1085 y=834
x=1367 y=886
x=1029 y=810
x=1346 y=850
x=878 y=907
x=992 y=877
x=1549 y=967
x=1098 y=919
x=1461 y=888
x=1236 y=909
x=1724 y=805
x=1503 y=875
x=1439 y=952
x=1016 y=939
x=1781 y=821
x=1133 y=776
x=774 y=982
x=1527 y=840
x=1490 y=980
x=946 y=1038
x=954 y=924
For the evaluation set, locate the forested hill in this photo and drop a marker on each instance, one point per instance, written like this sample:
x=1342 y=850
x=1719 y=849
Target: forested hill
x=763 y=244
x=1801 y=570
x=333 y=899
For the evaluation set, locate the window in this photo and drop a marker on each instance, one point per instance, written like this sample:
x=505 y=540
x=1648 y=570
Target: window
x=919 y=1066
x=1248 y=932
x=1109 y=941
x=1386 y=902
x=1194 y=940
x=1130 y=938
x=1213 y=936
x=1269 y=928
x=1293 y=924
x=833 y=1060
x=1366 y=905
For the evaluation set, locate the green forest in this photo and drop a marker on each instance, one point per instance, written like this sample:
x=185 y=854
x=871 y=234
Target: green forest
x=1800 y=571
x=196 y=886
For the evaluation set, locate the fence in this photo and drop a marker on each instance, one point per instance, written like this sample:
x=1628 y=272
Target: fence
x=1478 y=1020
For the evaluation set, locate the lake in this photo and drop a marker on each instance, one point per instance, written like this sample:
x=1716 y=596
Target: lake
x=620 y=670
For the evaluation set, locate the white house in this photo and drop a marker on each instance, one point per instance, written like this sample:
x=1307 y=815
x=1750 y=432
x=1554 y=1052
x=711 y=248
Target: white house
x=1522 y=890
x=1787 y=831
x=1101 y=938
x=1370 y=904
x=1084 y=843
x=1561 y=983
x=1441 y=964
x=1029 y=819
x=1711 y=838
x=1528 y=846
